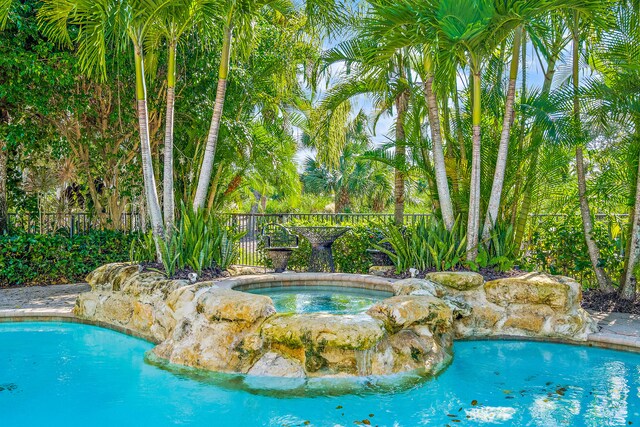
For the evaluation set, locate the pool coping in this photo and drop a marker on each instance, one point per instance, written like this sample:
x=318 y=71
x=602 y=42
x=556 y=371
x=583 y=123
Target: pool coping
x=262 y=281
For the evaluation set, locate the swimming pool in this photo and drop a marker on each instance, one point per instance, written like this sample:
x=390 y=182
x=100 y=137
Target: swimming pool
x=321 y=299
x=59 y=374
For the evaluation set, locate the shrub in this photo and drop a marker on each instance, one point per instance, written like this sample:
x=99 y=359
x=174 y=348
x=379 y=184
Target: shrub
x=34 y=259
x=198 y=242
x=557 y=245
x=426 y=245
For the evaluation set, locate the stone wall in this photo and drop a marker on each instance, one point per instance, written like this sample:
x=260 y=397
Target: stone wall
x=211 y=326
x=531 y=305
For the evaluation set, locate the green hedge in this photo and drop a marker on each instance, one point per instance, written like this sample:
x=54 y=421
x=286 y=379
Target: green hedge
x=32 y=259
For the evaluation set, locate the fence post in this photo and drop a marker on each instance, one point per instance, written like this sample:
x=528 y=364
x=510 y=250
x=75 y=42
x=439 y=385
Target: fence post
x=71 y=226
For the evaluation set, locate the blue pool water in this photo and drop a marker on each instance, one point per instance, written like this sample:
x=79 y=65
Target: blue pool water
x=55 y=374
x=324 y=299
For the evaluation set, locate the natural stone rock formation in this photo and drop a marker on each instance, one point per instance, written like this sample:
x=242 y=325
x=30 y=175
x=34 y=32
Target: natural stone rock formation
x=460 y=280
x=123 y=296
x=275 y=365
x=381 y=270
x=534 y=288
x=211 y=326
x=244 y=270
x=534 y=304
x=402 y=311
x=418 y=286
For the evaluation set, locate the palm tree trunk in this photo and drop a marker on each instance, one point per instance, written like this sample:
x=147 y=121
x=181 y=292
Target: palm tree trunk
x=402 y=104
x=628 y=282
x=503 y=148
x=592 y=248
x=459 y=135
x=212 y=138
x=473 y=221
x=536 y=139
x=151 y=193
x=214 y=188
x=521 y=134
x=587 y=224
x=167 y=185
x=342 y=200
x=4 y=220
x=444 y=197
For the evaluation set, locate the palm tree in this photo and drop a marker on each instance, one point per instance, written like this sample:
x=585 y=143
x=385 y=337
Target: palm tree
x=104 y=25
x=549 y=48
x=353 y=179
x=444 y=196
x=587 y=222
x=523 y=13
x=239 y=14
x=170 y=23
x=503 y=147
x=387 y=81
x=613 y=102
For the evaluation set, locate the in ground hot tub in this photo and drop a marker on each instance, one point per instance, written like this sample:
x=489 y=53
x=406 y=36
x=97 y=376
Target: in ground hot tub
x=323 y=298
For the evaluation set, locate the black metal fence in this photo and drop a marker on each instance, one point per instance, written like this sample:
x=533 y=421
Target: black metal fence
x=252 y=225
x=72 y=223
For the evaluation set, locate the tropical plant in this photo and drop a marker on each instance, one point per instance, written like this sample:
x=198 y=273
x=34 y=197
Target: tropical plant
x=197 y=241
x=240 y=15
x=426 y=245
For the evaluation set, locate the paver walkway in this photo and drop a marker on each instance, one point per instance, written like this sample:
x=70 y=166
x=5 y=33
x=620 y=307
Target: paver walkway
x=54 y=300
x=619 y=329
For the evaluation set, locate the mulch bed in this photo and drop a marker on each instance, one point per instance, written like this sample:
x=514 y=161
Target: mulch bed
x=487 y=273
x=206 y=275
x=598 y=301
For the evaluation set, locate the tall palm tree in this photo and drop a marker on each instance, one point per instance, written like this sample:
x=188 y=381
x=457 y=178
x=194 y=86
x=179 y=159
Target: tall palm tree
x=388 y=82
x=604 y=282
x=444 y=196
x=613 y=100
x=353 y=180
x=503 y=147
x=389 y=23
x=104 y=25
x=170 y=23
x=526 y=14
x=239 y=14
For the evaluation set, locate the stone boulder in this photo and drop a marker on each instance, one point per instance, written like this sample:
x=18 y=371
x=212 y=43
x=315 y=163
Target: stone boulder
x=413 y=286
x=402 y=311
x=245 y=270
x=219 y=304
x=217 y=328
x=275 y=365
x=557 y=292
x=320 y=330
x=109 y=277
x=458 y=280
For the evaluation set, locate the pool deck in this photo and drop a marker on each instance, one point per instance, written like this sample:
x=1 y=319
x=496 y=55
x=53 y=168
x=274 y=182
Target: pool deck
x=40 y=301
x=56 y=302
